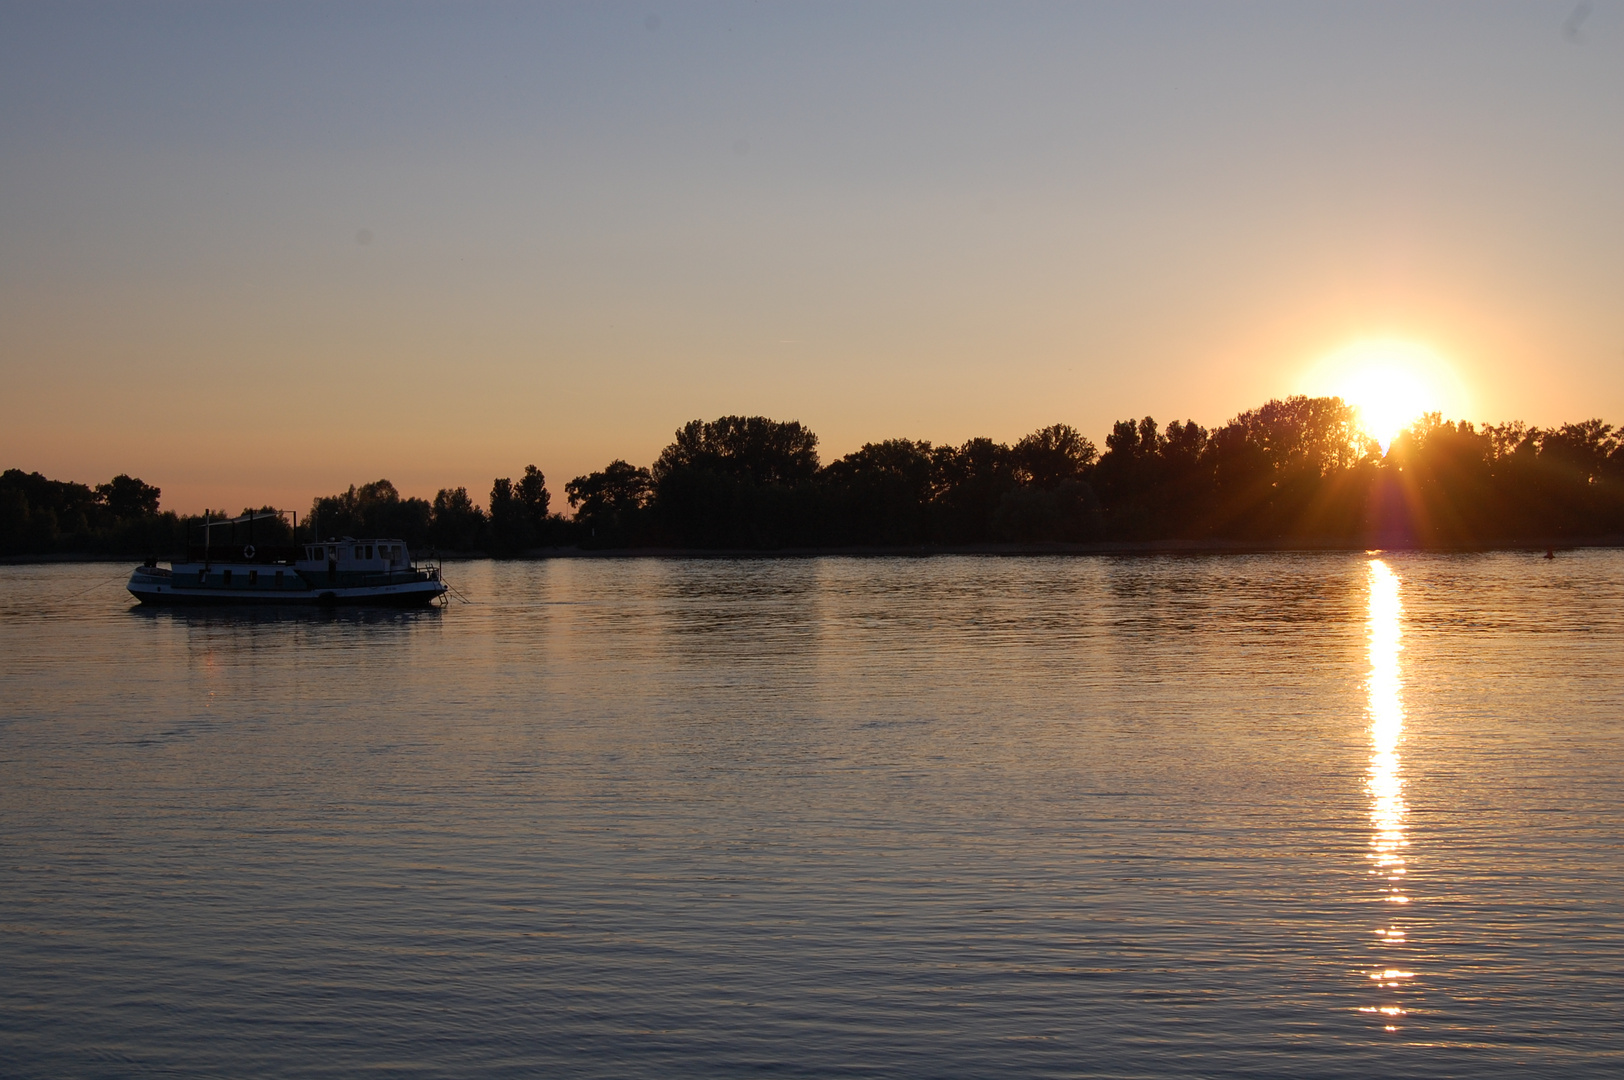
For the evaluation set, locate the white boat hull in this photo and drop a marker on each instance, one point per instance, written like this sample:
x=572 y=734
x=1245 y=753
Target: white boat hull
x=160 y=587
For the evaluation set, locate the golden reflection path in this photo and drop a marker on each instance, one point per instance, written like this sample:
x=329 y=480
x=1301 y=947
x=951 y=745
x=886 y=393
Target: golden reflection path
x=1385 y=783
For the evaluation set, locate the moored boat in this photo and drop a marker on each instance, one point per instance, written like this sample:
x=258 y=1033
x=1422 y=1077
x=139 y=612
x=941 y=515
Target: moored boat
x=333 y=571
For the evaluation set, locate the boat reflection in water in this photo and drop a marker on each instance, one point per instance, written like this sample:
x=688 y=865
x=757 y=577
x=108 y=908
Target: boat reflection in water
x=1385 y=691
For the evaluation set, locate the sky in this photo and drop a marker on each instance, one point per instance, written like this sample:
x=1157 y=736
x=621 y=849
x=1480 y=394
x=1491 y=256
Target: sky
x=255 y=253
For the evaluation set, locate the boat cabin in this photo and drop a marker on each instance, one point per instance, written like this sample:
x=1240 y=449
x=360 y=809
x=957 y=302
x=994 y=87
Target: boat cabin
x=349 y=554
x=257 y=558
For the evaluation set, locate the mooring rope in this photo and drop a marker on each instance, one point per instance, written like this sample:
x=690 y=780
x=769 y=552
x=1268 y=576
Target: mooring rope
x=93 y=588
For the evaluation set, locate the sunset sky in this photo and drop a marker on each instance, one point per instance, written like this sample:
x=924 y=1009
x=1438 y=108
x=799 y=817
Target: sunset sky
x=255 y=253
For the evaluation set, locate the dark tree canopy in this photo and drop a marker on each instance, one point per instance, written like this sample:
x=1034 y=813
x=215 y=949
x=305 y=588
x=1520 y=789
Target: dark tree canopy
x=38 y=516
x=749 y=448
x=532 y=493
x=518 y=515
x=880 y=495
x=1298 y=434
x=735 y=482
x=609 y=504
x=455 y=523
x=371 y=510
x=126 y=497
x=1053 y=455
x=1297 y=469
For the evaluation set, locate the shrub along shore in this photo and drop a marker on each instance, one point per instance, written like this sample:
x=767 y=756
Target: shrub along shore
x=1293 y=473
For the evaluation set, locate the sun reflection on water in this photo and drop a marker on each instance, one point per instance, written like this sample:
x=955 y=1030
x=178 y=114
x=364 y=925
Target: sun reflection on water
x=1385 y=779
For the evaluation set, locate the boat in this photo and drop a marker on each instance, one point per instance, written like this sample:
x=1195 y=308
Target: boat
x=235 y=569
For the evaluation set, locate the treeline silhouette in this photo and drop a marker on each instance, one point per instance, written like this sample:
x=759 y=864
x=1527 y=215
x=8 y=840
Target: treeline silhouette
x=40 y=516
x=1297 y=470
x=514 y=519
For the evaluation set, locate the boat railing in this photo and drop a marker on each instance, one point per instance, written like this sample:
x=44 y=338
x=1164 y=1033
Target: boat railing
x=430 y=570
x=400 y=575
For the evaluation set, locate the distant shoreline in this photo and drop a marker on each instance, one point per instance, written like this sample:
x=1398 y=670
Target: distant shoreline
x=1143 y=547
x=1119 y=547
x=1299 y=470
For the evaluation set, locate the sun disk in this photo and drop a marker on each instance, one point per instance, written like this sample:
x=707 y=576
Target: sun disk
x=1391 y=384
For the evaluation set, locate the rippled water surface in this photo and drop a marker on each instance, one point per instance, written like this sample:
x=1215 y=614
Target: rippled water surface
x=1291 y=815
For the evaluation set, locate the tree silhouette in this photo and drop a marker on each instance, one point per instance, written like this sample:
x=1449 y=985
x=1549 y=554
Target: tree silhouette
x=736 y=481
x=126 y=497
x=1296 y=470
x=608 y=504
x=456 y=523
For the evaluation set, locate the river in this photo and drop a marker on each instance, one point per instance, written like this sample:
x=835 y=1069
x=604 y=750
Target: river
x=1328 y=814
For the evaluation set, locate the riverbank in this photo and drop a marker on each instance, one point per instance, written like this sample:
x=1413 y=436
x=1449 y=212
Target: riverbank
x=1118 y=547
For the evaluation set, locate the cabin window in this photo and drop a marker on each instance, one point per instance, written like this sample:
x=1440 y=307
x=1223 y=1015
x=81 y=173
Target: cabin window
x=226 y=577
x=279 y=579
x=253 y=577
x=357 y=551
x=369 y=551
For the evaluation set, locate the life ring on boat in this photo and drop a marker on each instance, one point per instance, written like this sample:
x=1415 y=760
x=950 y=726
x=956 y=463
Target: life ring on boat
x=248 y=551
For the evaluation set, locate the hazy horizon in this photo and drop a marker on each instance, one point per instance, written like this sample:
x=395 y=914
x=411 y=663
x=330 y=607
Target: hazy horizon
x=256 y=254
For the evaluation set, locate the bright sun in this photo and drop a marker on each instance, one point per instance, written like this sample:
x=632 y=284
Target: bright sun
x=1391 y=383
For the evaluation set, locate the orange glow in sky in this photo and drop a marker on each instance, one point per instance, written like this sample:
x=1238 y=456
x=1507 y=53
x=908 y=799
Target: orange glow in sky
x=1391 y=383
x=467 y=238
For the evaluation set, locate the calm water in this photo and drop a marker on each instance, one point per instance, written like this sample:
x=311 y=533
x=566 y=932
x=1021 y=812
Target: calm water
x=1293 y=815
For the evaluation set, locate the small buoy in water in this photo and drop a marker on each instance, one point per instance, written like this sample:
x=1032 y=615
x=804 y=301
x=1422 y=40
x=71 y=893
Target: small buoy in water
x=1550 y=553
